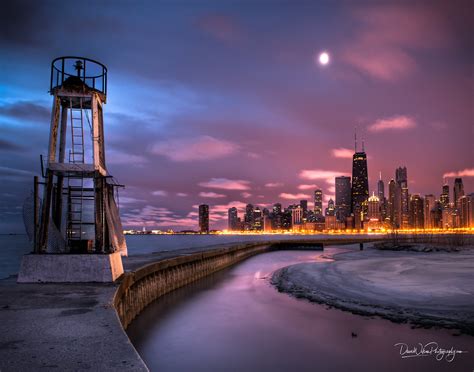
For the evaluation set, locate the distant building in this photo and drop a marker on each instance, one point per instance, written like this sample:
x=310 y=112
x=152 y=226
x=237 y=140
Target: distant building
x=466 y=208
x=257 y=219
x=373 y=213
x=277 y=208
x=447 y=218
x=360 y=182
x=304 y=206
x=458 y=191
x=343 y=197
x=204 y=219
x=331 y=209
x=233 y=219
x=444 y=198
x=394 y=204
x=380 y=188
x=429 y=205
x=296 y=216
x=402 y=181
x=381 y=196
x=373 y=221
x=416 y=212
x=358 y=218
x=248 y=217
x=436 y=216
x=276 y=217
x=318 y=202
x=330 y=222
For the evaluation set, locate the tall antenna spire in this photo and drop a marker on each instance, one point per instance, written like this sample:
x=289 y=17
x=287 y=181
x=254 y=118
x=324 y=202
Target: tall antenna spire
x=355 y=139
x=363 y=147
x=380 y=175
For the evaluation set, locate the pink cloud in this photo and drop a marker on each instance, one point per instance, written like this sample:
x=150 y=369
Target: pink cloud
x=226 y=184
x=307 y=187
x=246 y=195
x=159 y=193
x=181 y=194
x=273 y=184
x=253 y=155
x=383 y=48
x=342 y=153
x=211 y=195
x=289 y=196
x=464 y=173
x=382 y=62
x=319 y=174
x=190 y=149
x=400 y=122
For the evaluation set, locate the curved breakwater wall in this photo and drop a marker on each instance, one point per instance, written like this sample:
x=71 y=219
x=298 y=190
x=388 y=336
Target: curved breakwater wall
x=141 y=287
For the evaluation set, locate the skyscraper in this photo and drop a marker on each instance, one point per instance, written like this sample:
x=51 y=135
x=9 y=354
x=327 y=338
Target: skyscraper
x=249 y=217
x=331 y=209
x=296 y=215
x=394 y=204
x=444 y=198
x=381 y=196
x=304 y=206
x=257 y=219
x=204 y=219
x=318 y=202
x=466 y=208
x=233 y=219
x=343 y=197
x=429 y=206
x=380 y=188
x=458 y=191
x=373 y=213
x=416 y=212
x=402 y=181
x=360 y=181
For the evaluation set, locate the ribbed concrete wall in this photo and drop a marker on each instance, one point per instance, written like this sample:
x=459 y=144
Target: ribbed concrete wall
x=138 y=289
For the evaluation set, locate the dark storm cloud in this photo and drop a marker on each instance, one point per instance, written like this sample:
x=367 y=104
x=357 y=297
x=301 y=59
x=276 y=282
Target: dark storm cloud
x=21 y=23
x=10 y=146
x=26 y=110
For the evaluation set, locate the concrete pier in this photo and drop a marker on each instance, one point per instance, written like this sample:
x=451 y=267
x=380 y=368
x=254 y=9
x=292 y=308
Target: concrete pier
x=70 y=268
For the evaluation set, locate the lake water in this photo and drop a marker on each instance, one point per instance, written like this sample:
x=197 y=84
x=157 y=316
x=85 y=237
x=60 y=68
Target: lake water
x=234 y=320
x=13 y=247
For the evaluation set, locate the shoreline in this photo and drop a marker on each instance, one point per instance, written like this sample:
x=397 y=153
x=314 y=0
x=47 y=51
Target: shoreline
x=331 y=284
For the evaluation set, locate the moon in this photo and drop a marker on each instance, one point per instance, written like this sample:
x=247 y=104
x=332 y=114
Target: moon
x=324 y=58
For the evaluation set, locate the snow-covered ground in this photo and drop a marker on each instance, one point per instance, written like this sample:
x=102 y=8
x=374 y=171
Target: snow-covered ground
x=422 y=288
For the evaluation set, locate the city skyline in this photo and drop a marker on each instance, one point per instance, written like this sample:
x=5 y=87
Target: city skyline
x=236 y=107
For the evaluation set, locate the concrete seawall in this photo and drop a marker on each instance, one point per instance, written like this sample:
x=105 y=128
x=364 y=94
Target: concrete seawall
x=143 y=286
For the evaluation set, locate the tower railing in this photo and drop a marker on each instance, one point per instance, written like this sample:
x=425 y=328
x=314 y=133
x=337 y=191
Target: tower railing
x=91 y=73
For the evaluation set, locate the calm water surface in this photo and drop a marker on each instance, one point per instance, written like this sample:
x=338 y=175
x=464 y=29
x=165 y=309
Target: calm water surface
x=235 y=320
x=13 y=247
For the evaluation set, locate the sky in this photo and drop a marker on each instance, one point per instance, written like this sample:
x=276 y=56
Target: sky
x=226 y=103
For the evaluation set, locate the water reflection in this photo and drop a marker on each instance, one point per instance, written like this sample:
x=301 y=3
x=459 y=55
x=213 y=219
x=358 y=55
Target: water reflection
x=235 y=320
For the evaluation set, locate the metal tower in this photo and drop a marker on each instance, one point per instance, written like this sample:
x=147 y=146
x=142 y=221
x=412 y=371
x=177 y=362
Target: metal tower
x=78 y=211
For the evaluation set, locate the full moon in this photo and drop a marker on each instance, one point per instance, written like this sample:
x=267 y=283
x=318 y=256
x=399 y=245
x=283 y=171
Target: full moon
x=324 y=58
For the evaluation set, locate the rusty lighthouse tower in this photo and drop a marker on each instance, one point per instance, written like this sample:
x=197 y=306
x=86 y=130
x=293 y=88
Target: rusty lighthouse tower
x=78 y=215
